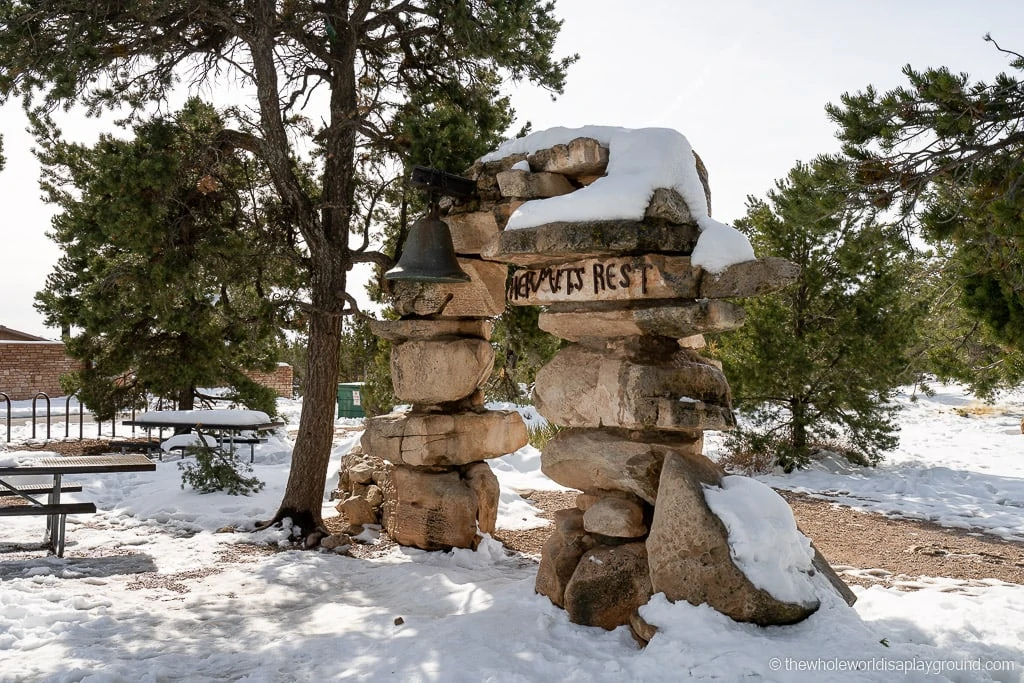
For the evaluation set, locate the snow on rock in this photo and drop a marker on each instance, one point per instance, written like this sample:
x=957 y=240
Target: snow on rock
x=639 y=162
x=763 y=539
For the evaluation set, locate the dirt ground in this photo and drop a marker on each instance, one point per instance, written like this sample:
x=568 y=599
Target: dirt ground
x=866 y=548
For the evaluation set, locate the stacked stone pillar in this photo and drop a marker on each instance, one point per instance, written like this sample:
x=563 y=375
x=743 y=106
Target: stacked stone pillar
x=632 y=392
x=438 y=493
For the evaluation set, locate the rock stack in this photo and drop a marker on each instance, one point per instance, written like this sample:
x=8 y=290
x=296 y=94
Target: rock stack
x=361 y=483
x=439 y=492
x=632 y=392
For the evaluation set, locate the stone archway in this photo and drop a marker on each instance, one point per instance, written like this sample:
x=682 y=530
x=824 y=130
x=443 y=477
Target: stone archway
x=634 y=296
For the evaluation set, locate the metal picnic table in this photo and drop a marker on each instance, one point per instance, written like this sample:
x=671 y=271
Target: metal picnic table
x=228 y=424
x=56 y=467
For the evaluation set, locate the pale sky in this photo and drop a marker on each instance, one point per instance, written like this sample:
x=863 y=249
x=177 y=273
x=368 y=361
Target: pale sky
x=746 y=82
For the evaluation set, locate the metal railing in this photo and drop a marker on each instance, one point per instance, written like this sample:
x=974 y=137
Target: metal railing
x=48 y=416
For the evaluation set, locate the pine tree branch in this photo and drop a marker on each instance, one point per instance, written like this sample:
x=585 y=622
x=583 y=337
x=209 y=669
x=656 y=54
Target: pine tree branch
x=988 y=37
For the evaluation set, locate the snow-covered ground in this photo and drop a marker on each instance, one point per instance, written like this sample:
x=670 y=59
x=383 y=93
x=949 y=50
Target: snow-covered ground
x=960 y=463
x=150 y=591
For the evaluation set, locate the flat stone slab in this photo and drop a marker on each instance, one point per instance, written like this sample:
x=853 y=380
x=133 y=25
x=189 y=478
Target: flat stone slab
x=675 y=319
x=644 y=278
x=749 y=278
x=627 y=278
x=444 y=440
x=580 y=157
x=419 y=329
x=471 y=232
x=560 y=242
x=526 y=185
x=619 y=460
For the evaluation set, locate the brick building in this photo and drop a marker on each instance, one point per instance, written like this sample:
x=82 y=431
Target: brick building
x=30 y=364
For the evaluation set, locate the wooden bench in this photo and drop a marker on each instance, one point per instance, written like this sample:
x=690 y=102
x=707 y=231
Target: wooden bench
x=31 y=502
x=39 y=489
x=48 y=509
x=145 y=447
x=224 y=445
x=56 y=517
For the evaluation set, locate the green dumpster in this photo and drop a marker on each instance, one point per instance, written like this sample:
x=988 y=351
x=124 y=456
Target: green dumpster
x=350 y=403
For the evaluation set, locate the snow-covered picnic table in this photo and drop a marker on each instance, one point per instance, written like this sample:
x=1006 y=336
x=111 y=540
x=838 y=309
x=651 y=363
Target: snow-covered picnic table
x=230 y=426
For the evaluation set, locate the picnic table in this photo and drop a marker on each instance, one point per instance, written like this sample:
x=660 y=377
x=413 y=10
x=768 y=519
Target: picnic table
x=231 y=426
x=56 y=512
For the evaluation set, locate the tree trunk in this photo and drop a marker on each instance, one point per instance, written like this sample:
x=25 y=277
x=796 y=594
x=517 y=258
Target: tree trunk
x=307 y=479
x=186 y=400
x=798 y=432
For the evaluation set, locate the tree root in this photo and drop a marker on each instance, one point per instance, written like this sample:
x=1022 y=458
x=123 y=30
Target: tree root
x=307 y=529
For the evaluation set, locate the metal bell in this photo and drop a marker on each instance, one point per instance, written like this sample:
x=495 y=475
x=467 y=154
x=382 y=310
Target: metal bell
x=428 y=254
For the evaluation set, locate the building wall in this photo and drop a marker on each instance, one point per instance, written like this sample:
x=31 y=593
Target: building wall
x=28 y=367
x=280 y=380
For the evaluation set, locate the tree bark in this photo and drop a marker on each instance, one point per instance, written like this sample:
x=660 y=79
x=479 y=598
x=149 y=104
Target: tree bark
x=307 y=479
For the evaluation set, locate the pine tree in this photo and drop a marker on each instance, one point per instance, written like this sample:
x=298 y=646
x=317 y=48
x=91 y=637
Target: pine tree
x=814 y=365
x=947 y=157
x=166 y=274
x=955 y=345
x=332 y=83
x=521 y=349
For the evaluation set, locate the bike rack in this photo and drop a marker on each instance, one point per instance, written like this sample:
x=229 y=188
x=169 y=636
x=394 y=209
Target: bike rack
x=48 y=414
x=67 y=418
x=7 y=400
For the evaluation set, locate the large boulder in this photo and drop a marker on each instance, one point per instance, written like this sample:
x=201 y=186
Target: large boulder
x=689 y=555
x=609 y=586
x=429 y=510
x=440 y=371
x=561 y=553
